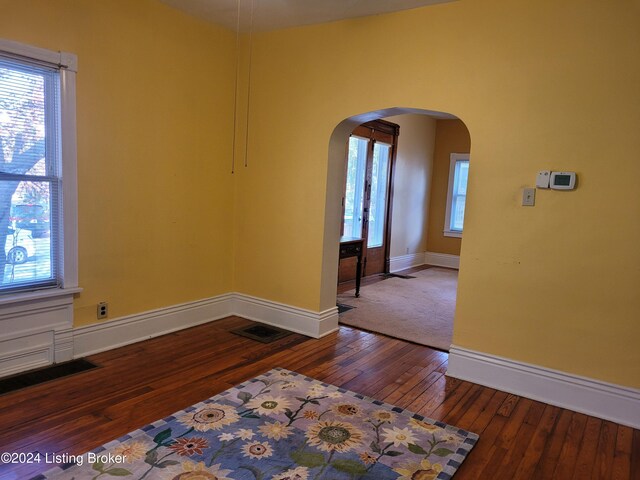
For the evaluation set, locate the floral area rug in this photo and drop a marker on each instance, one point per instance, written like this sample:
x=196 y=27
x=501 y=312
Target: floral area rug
x=280 y=426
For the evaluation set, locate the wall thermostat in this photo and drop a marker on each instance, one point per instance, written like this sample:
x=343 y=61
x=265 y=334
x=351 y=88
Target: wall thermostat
x=562 y=180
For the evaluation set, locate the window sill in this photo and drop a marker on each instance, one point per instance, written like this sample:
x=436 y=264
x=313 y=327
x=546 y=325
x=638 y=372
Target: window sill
x=450 y=233
x=24 y=297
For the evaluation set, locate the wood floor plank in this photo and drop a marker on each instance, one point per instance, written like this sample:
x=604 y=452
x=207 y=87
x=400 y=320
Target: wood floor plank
x=514 y=422
x=467 y=402
x=536 y=447
x=488 y=412
x=635 y=456
x=475 y=410
x=621 y=467
x=450 y=401
x=517 y=446
x=605 y=451
x=508 y=405
x=483 y=452
x=140 y=383
x=588 y=448
x=571 y=446
x=488 y=453
x=553 y=446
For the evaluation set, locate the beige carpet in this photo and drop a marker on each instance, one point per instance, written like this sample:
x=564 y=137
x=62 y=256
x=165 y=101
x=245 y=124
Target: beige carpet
x=417 y=309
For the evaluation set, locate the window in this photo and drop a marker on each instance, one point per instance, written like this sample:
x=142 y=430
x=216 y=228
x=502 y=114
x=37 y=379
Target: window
x=37 y=169
x=456 y=194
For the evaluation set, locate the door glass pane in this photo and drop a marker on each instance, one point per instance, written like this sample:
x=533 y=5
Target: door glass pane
x=356 y=166
x=379 y=178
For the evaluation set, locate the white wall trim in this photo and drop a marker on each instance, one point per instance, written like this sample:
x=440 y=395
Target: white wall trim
x=69 y=171
x=295 y=319
x=119 y=332
x=35 y=345
x=402 y=262
x=442 y=260
x=585 y=395
x=410 y=260
x=34 y=331
x=60 y=59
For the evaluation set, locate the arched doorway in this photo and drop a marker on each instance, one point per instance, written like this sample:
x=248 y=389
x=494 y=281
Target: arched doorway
x=406 y=250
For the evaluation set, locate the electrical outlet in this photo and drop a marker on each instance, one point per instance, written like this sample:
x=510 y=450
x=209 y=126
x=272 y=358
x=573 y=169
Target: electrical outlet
x=103 y=310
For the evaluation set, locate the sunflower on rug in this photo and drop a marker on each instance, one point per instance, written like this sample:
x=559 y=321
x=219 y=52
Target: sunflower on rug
x=281 y=426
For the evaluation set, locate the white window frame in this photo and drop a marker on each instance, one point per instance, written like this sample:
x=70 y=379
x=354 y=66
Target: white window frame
x=67 y=63
x=36 y=327
x=454 y=158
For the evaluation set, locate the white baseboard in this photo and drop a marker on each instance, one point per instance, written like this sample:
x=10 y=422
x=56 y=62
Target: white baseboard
x=585 y=395
x=403 y=262
x=122 y=331
x=118 y=332
x=299 y=320
x=410 y=260
x=442 y=260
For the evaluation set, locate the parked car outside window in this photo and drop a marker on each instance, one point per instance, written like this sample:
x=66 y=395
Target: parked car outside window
x=31 y=217
x=19 y=247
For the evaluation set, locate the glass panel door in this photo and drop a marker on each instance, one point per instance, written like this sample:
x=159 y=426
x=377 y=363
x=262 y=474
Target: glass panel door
x=367 y=196
x=355 y=189
x=379 y=186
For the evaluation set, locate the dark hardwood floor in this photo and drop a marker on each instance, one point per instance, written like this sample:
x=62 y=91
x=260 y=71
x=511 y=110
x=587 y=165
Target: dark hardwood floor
x=140 y=383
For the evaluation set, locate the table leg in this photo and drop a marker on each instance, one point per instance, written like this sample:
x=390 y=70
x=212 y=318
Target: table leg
x=358 y=274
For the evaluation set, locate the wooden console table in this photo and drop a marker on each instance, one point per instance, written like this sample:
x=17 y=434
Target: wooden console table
x=352 y=247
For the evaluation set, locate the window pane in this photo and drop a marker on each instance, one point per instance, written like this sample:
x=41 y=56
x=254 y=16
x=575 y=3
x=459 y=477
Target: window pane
x=459 y=195
x=379 y=175
x=356 y=165
x=24 y=117
x=462 y=175
x=457 y=214
x=28 y=241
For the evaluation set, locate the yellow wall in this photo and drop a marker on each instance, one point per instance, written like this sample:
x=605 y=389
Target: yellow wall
x=539 y=85
x=155 y=100
x=452 y=136
x=413 y=166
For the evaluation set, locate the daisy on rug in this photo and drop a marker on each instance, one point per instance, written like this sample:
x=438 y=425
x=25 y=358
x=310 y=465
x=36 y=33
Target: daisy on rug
x=281 y=426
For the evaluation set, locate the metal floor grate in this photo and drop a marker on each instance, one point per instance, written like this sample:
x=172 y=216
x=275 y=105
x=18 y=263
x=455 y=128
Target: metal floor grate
x=262 y=333
x=397 y=275
x=343 y=307
x=42 y=375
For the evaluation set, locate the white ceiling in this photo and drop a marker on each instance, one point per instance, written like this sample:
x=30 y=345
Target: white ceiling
x=276 y=14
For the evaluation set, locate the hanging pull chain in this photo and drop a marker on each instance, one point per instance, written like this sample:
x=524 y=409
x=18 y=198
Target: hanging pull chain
x=246 y=141
x=235 y=95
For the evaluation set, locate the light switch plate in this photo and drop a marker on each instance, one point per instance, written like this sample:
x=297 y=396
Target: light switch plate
x=529 y=197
